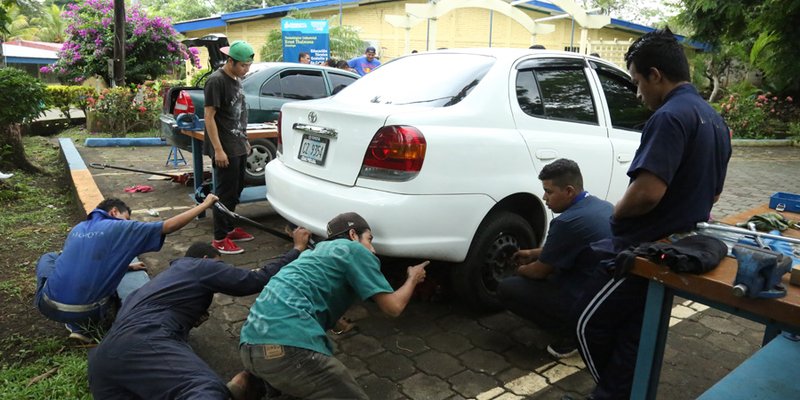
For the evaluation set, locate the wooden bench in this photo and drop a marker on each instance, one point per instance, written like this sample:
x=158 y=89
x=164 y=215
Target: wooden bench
x=770 y=373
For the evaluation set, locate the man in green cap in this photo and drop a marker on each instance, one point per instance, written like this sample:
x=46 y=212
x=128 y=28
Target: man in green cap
x=226 y=140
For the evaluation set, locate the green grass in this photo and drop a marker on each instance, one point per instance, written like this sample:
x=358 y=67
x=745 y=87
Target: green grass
x=68 y=381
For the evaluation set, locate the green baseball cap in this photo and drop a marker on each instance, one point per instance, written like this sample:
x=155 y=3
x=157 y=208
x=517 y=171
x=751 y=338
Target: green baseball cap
x=239 y=51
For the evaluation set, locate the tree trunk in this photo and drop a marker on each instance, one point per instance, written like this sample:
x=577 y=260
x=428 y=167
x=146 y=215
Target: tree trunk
x=14 y=154
x=716 y=91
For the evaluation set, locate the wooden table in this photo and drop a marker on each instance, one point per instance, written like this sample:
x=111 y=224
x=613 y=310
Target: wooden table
x=714 y=289
x=249 y=194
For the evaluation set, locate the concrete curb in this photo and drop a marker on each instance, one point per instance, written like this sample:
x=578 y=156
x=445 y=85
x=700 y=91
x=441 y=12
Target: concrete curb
x=114 y=142
x=86 y=190
x=765 y=142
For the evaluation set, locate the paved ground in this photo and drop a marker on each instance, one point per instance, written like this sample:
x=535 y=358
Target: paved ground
x=438 y=349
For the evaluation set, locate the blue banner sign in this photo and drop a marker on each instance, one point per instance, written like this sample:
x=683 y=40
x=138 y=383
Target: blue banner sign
x=305 y=35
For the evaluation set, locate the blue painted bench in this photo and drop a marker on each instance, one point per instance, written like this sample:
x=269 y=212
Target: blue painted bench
x=770 y=373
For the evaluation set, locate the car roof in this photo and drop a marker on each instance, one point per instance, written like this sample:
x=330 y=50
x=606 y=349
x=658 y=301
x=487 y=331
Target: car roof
x=259 y=67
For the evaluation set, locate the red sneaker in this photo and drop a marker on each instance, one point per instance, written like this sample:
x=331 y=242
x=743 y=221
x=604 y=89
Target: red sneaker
x=239 y=235
x=226 y=246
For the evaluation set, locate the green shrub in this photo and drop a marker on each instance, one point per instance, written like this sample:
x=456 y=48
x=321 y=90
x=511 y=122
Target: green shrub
x=200 y=77
x=21 y=97
x=66 y=97
x=121 y=110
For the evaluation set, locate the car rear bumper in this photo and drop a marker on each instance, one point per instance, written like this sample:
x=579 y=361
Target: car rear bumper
x=436 y=227
x=170 y=130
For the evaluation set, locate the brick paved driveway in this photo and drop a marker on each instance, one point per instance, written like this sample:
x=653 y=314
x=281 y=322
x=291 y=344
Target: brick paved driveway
x=440 y=350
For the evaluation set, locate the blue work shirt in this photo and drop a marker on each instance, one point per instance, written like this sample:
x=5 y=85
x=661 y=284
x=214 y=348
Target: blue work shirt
x=686 y=144
x=96 y=256
x=362 y=66
x=567 y=246
x=309 y=295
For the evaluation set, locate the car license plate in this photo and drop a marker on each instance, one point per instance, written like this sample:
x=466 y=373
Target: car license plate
x=313 y=149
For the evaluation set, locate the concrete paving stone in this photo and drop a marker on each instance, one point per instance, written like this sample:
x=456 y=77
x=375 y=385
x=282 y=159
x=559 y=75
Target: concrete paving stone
x=527 y=385
x=440 y=364
x=357 y=312
x=222 y=299
x=424 y=387
x=502 y=322
x=508 y=396
x=510 y=374
x=558 y=372
x=581 y=383
x=491 y=340
x=690 y=328
x=734 y=343
x=526 y=358
x=457 y=321
x=447 y=342
x=722 y=325
x=403 y=344
x=420 y=328
x=694 y=346
x=484 y=361
x=377 y=326
x=490 y=394
x=573 y=361
x=551 y=393
x=456 y=397
x=682 y=312
x=235 y=313
x=355 y=366
x=530 y=336
x=392 y=366
x=361 y=346
x=380 y=388
x=470 y=383
x=235 y=329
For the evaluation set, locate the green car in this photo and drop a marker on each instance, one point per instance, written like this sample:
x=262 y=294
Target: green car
x=267 y=87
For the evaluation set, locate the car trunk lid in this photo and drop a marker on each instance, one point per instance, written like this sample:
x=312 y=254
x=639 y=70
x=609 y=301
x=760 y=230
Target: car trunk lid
x=327 y=143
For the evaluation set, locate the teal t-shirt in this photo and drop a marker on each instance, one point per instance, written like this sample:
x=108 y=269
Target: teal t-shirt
x=310 y=294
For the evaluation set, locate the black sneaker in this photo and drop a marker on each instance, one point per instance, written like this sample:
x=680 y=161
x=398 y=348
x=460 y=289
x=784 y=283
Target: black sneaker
x=563 y=348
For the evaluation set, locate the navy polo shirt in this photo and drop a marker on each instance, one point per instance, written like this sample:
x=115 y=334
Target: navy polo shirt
x=687 y=144
x=96 y=256
x=567 y=246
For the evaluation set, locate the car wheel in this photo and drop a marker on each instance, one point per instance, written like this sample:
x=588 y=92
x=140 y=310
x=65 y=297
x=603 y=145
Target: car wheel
x=262 y=151
x=489 y=259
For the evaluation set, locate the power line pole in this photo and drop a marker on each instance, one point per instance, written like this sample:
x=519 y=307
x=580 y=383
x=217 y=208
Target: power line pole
x=119 y=43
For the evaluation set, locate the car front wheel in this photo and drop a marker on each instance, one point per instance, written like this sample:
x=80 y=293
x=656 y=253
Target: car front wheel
x=262 y=151
x=490 y=260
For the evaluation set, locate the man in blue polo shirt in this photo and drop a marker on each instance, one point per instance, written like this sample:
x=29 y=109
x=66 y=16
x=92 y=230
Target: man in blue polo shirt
x=366 y=63
x=550 y=278
x=79 y=286
x=283 y=340
x=676 y=177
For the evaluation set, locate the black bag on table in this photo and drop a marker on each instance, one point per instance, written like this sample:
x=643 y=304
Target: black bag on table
x=696 y=254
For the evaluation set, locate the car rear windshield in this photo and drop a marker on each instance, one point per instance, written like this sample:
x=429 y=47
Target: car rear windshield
x=430 y=80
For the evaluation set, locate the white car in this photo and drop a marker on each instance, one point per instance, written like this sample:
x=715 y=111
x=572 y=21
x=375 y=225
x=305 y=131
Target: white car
x=440 y=152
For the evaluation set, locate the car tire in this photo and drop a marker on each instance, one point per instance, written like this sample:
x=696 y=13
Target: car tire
x=489 y=260
x=262 y=152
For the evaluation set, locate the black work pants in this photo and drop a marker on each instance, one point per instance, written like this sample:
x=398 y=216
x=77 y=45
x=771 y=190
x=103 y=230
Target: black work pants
x=229 y=183
x=609 y=316
x=540 y=301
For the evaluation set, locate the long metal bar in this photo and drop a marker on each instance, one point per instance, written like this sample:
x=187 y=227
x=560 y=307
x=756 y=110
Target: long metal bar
x=728 y=228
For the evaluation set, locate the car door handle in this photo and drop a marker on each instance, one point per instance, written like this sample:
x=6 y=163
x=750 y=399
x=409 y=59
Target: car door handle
x=624 y=158
x=546 y=154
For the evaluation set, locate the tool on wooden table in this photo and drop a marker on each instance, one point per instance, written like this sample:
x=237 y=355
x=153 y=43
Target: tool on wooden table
x=760 y=272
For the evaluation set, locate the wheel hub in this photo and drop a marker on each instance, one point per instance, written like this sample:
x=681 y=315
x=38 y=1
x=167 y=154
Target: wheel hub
x=499 y=263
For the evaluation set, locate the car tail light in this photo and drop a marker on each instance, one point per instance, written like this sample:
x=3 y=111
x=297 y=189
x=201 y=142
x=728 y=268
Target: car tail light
x=395 y=153
x=184 y=104
x=280 y=139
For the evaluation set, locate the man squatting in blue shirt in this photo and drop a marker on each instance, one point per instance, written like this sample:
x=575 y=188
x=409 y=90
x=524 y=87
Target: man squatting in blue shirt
x=80 y=286
x=550 y=279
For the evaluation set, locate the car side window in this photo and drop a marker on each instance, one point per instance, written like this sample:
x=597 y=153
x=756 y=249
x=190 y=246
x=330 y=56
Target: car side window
x=528 y=96
x=272 y=87
x=303 y=85
x=627 y=112
x=566 y=94
x=339 y=82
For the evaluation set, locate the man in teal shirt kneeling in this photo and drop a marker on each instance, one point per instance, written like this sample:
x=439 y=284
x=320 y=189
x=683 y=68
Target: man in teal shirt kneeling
x=283 y=340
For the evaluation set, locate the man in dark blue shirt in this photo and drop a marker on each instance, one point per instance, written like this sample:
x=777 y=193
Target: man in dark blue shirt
x=676 y=176
x=146 y=353
x=550 y=278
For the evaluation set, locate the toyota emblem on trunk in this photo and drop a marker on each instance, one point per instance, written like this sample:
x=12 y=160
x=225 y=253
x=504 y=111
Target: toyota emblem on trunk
x=312 y=117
